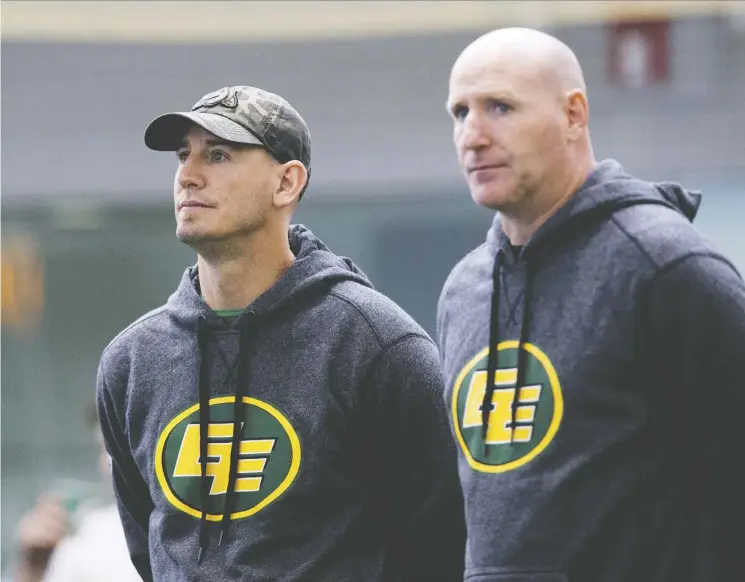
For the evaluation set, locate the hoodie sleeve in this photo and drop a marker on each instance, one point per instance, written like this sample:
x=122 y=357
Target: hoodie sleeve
x=698 y=311
x=417 y=458
x=697 y=316
x=131 y=491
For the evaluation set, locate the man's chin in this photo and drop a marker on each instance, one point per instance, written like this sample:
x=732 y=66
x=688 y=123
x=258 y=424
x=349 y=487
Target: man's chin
x=490 y=199
x=192 y=237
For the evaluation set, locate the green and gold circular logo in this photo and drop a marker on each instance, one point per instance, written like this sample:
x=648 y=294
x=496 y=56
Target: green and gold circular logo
x=515 y=435
x=268 y=458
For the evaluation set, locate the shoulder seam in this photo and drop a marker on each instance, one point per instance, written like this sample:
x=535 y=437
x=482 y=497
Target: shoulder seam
x=362 y=313
x=635 y=241
x=134 y=324
x=359 y=310
x=663 y=268
x=374 y=364
x=406 y=336
x=710 y=254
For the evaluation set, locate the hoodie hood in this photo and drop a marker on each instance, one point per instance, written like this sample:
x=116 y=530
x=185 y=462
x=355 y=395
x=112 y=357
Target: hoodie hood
x=607 y=189
x=314 y=266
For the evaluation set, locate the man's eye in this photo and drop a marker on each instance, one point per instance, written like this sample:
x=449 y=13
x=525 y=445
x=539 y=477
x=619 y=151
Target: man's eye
x=500 y=106
x=182 y=156
x=218 y=156
x=460 y=112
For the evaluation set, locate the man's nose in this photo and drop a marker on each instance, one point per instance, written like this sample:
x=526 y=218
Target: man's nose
x=473 y=134
x=190 y=174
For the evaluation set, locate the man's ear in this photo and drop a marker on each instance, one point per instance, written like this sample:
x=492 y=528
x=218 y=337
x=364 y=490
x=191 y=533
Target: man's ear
x=293 y=178
x=578 y=114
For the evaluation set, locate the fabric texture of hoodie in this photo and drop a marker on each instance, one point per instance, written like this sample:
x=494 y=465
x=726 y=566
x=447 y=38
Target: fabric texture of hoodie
x=314 y=421
x=619 y=457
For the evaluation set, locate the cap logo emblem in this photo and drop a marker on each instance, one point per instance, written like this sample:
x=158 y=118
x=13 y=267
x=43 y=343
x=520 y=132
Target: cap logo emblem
x=224 y=97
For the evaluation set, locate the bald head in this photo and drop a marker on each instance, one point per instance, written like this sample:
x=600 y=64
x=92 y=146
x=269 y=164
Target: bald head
x=519 y=107
x=528 y=51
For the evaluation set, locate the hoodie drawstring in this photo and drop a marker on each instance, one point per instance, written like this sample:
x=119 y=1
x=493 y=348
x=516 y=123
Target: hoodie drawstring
x=520 y=376
x=491 y=365
x=204 y=422
x=239 y=422
x=493 y=354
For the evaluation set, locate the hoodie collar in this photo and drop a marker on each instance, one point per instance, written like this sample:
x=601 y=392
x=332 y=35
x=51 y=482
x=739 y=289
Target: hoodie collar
x=607 y=189
x=315 y=267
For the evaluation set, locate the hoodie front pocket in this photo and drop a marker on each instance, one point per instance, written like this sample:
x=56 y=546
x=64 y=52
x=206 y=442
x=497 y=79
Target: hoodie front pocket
x=511 y=575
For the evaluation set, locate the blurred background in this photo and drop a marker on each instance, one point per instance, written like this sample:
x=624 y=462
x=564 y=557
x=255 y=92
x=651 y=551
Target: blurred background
x=88 y=234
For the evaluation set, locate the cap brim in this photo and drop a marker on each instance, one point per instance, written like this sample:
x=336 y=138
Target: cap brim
x=166 y=132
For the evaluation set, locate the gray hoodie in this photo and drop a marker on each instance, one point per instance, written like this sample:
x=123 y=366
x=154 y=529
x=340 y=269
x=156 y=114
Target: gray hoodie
x=620 y=457
x=338 y=465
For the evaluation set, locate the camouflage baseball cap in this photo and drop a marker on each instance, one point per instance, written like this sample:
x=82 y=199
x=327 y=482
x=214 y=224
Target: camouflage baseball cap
x=245 y=115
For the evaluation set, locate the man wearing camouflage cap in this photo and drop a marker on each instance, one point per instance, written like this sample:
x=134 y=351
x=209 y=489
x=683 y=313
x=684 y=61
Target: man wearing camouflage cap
x=277 y=418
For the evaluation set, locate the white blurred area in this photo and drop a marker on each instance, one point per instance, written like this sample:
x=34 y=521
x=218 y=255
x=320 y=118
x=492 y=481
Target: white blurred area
x=87 y=226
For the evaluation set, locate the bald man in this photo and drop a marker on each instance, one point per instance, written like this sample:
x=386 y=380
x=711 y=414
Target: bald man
x=591 y=346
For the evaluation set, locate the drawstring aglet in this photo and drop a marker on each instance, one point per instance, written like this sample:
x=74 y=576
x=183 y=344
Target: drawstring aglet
x=200 y=554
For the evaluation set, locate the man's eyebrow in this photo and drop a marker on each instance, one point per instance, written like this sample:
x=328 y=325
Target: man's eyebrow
x=502 y=95
x=221 y=142
x=212 y=142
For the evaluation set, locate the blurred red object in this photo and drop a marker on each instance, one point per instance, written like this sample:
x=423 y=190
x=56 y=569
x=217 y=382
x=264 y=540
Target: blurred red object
x=639 y=53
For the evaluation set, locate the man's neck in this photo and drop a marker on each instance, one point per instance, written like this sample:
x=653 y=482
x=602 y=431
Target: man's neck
x=235 y=281
x=520 y=227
